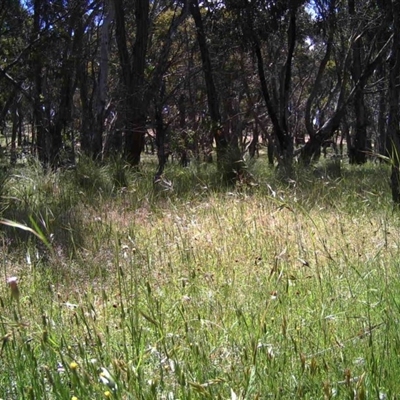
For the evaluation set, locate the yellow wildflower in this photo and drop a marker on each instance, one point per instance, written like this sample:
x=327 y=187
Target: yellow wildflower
x=73 y=365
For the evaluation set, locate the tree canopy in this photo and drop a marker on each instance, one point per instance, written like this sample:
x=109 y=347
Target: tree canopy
x=198 y=79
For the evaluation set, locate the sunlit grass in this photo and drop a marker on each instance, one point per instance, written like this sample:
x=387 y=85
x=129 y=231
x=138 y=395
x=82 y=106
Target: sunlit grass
x=273 y=289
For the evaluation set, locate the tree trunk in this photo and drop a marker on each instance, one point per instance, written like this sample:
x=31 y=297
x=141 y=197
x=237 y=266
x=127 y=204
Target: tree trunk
x=278 y=104
x=138 y=93
x=254 y=141
x=280 y=134
x=228 y=152
x=134 y=117
x=134 y=135
x=358 y=151
x=287 y=150
x=101 y=90
x=382 y=132
x=184 y=159
x=135 y=130
x=42 y=140
x=393 y=100
x=15 y=128
x=312 y=148
x=212 y=98
x=69 y=82
x=160 y=134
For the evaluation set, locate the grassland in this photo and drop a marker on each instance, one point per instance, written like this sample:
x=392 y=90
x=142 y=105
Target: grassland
x=277 y=288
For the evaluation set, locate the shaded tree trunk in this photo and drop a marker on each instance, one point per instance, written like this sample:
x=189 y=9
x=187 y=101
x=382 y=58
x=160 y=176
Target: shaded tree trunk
x=382 y=147
x=393 y=127
x=38 y=114
x=359 y=143
x=53 y=105
x=160 y=134
x=254 y=141
x=228 y=152
x=101 y=89
x=184 y=159
x=138 y=93
x=278 y=103
x=14 y=131
x=69 y=69
x=133 y=77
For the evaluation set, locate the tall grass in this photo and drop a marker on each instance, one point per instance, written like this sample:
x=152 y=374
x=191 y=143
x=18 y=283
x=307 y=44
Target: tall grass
x=273 y=289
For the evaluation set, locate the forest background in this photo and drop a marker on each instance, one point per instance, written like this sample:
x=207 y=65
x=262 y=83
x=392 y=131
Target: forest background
x=199 y=199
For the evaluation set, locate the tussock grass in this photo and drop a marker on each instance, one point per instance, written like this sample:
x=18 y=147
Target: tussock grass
x=274 y=289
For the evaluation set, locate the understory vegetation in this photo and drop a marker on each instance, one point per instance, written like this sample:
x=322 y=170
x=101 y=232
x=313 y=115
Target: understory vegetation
x=113 y=287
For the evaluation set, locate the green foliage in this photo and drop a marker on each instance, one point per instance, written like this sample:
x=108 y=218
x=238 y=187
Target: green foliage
x=44 y=202
x=4 y=177
x=93 y=178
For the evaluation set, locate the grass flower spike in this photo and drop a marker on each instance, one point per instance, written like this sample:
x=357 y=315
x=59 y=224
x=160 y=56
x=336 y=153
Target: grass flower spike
x=13 y=283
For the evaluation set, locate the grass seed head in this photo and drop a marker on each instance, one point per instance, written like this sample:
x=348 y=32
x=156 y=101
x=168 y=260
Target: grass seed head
x=13 y=283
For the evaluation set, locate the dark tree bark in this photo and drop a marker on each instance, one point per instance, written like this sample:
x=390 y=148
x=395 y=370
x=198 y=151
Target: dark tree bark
x=93 y=89
x=14 y=131
x=277 y=103
x=228 y=153
x=393 y=127
x=7 y=106
x=359 y=145
x=101 y=88
x=37 y=59
x=184 y=158
x=160 y=134
x=285 y=85
x=138 y=93
x=382 y=145
x=133 y=76
x=55 y=82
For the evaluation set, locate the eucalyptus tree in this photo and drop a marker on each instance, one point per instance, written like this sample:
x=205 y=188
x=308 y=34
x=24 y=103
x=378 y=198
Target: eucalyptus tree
x=368 y=30
x=269 y=31
x=317 y=54
x=14 y=48
x=346 y=59
x=60 y=28
x=224 y=131
x=93 y=54
x=142 y=76
x=358 y=147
